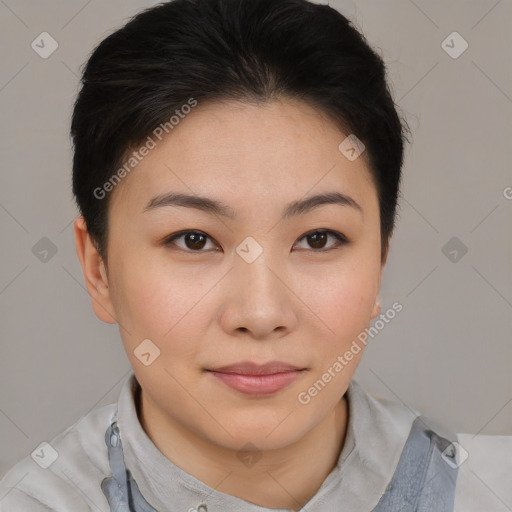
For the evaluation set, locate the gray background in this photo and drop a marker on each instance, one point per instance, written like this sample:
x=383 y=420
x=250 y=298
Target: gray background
x=447 y=354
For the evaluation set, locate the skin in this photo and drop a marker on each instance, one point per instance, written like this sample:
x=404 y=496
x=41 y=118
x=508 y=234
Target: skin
x=298 y=302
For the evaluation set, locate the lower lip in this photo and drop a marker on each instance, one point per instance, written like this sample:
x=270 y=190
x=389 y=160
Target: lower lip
x=258 y=384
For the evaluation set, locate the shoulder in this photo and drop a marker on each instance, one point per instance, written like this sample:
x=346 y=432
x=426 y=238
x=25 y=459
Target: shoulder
x=373 y=414
x=484 y=481
x=62 y=474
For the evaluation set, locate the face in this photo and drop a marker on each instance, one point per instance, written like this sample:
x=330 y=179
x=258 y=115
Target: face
x=254 y=280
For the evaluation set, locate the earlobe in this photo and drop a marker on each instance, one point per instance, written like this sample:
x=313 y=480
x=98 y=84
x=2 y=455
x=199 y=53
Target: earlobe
x=94 y=272
x=376 y=307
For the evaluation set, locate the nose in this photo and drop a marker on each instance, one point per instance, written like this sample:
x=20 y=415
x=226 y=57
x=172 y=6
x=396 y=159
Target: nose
x=259 y=299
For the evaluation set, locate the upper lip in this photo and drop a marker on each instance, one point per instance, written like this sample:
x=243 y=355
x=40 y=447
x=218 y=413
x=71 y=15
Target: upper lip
x=250 y=368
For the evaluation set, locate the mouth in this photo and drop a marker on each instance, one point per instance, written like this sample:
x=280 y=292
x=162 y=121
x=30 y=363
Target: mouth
x=257 y=380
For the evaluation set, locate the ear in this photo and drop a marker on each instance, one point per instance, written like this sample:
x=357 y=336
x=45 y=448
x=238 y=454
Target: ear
x=377 y=305
x=94 y=271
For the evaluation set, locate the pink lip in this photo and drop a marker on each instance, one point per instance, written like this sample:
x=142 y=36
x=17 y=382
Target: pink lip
x=257 y=380
x=250 y=368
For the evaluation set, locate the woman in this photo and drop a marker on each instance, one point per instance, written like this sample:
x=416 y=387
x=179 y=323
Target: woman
x=237 y=165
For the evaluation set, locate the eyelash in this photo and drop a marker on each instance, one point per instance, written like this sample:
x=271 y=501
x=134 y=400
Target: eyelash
x=341 y=239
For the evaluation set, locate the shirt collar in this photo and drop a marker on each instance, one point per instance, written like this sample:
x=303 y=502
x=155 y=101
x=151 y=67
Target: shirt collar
x=377 y=430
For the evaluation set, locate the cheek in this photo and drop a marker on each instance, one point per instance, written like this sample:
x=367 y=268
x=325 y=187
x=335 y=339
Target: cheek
x=344 y=309
x=172 y=305
x=153 y=300
x=343 y=299
x=343 y=305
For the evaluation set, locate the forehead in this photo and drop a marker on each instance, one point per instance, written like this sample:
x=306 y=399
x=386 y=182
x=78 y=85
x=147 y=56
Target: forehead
x=279 y=149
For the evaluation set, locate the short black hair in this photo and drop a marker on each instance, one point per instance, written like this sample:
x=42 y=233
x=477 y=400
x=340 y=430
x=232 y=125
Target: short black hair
x=247 y=50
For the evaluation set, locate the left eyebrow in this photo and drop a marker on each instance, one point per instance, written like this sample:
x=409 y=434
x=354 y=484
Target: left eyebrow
x=215 y=207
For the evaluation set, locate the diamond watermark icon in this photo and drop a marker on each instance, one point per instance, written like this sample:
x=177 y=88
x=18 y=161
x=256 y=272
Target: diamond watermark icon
x=44 y=45
x=351 y=147
x=146 y=352
x=249 y=249
x=249 y=455
x=454 y=249
x=454 y=455
x=454 y=45
x=44 y=250
x=45 y=455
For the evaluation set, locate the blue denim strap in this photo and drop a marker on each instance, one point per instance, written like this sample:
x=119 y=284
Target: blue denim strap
x=121 y=489
x=424 y=479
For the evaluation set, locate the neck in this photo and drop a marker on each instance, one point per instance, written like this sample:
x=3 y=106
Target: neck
x=284 y=478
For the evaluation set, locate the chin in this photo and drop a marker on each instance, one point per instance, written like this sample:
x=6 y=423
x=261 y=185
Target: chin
x=266 y=433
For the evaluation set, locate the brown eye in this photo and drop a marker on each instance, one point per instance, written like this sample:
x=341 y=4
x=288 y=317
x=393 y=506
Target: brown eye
x=194 y=241
x=317 y=240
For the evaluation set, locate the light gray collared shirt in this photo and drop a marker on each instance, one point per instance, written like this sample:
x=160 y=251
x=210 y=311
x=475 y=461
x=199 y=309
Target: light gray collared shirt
x=377 y=429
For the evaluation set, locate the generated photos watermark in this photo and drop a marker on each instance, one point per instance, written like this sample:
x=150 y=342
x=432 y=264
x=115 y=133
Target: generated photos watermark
x=151 y=142
x=337 y=366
